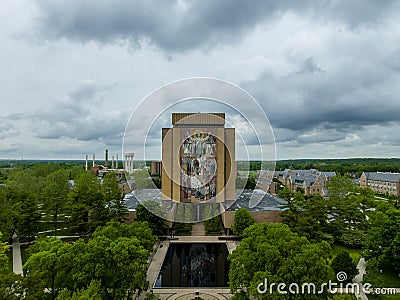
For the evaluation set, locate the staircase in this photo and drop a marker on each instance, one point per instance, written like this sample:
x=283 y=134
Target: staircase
x=198 y=229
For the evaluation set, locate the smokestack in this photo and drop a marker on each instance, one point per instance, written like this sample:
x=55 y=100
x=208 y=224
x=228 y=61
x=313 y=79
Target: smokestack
x=106 y=163
x=86 y=162
x=112 y=162
x=93 y=161
x=116 y=162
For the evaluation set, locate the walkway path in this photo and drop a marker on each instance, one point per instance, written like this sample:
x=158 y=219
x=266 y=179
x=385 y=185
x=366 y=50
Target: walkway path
x=17 y=260
x=198 y=229
x=361 y=266
x=156 y=262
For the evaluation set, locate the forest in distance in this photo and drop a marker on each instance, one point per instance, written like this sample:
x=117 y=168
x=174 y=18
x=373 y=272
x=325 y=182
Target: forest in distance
x=341 y=165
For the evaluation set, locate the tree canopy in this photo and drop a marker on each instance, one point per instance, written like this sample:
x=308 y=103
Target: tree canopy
x=116 y=258
x=274 y=252
x=241 y=221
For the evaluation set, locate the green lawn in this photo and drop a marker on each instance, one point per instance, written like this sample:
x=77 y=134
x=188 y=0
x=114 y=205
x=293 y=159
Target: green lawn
x=390 y=276
x=355 y=253
x=384 y=297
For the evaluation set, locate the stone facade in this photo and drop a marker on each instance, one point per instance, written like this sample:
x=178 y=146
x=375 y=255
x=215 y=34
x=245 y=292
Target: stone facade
x=380 y=182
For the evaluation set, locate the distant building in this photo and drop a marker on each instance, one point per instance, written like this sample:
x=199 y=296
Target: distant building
x=310 y=181
x=155 y=168
x=380 y=182
x=264 y=180
x=101 y=170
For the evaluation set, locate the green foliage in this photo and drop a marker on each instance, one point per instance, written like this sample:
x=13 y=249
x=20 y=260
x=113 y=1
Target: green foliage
x=112 y=265
x=391 y=243
x=344 y=263
x=274 y=252
x=157 y=182
x=212 y=217
x=180 y=224
x=113 y=198
x=55 y=193
x=213 y=225
x=142 y=179
x=343 y=166
x=9 y=213
x=92 y=292
x=352 y=238
x=17 y=287
x=150 y=211
x=241 y=221
x=251 y=183
x=374 y=275
x=86 y=205
x=285 y=194
x=3 y=255
x=308 y=217
x=339 y=187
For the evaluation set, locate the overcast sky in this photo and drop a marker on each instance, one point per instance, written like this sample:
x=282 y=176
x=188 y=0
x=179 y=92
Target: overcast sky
x=325 y=72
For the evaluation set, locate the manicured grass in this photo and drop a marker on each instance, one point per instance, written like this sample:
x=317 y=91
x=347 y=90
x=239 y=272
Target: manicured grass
x=390 y=275
x=355 y=253
x=384 y=297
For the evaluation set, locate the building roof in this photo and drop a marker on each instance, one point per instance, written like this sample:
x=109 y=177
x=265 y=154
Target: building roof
x=307 y=177
x=268 y=202
x=217 y=119
x=385 y=177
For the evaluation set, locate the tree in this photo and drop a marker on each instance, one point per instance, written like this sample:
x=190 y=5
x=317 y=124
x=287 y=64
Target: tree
x=251 y=183
x=29 y=214
x=142 y=179
x=181 y=217
x=92 y=292
x=3 y=255
x=374 y=276
x=47 y=261
x=344 y=263
x=113 y=263
x=391 y=243
x=55 y=193
x=19 y=201
x=339 y=187
x=285 y=194
x=113 y=198
x=308 y=217
x=150 y=211
x=18 y=287
x=274 y=252
x=9 y=213
x=86 y=205
x=241 y=221
x=212 y=223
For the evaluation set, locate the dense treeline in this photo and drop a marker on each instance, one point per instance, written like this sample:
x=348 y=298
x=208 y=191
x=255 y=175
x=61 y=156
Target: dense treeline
x=111 y=265
x=44 y=201
x=57 y=199
x=342 y=166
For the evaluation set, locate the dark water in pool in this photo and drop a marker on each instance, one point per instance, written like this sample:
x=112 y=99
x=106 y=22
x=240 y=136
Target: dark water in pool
x=195 y=265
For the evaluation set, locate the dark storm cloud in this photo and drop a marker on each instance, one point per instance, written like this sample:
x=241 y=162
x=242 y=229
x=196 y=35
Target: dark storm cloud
x=182 y=25
x=318 y=104
x=354 y=93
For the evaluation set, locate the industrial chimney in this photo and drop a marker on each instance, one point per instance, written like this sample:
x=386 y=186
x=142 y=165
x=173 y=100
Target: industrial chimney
x=106 y=162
